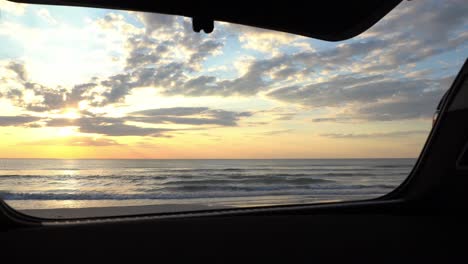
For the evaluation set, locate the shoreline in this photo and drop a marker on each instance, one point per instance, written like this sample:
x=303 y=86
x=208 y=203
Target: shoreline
x=144 y=207
x=110 y=211
x=133 y=210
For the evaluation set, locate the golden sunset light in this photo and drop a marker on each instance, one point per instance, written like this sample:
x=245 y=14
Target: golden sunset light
x=237 y=93
x=101 y=106
x=71 y=114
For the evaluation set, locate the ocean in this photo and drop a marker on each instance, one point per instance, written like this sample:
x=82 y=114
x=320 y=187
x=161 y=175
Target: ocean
x=56 y=183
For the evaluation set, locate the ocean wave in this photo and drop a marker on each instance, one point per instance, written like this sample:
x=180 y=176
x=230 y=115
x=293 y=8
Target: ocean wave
x=144 y=176
x=135 y=180
x=182 y=179
x=348 y=174
x=255 y=169
x=233 y=169
x=251 y=180
x=156 y=169
x=82 y=177
x=189 y=193
x=394 y=166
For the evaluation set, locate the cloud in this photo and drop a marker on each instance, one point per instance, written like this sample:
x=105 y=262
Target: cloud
x=360 y=78
x=116 y=127
x=421 y=19
x=263 y=74
x=361 y=71
x=328 y=119
x=161 y=60
x=18 y=69
x=413 y=104
x=120 y=129
x=205 y=49
x=249 y=84
x=184 y=115
x=277 y=132
x=17 y=120
x=117 y=22
x=156 y=22
x=107 y=126
x=286 y=116
x=120 y=85
x=22 y=92
x=369 y=97
x=376 y=135
x=260 y=123
x=47 y=98
x=120 y=126
x=262 y=40
x=422 y=106
x=44 y=14
x=369 y=57
x=415 y=32
x=142 y=52
x=75 y=142
x=13 y=8
x=280 y=113
x=339 y=91
x=173 y=111
x=419 y=73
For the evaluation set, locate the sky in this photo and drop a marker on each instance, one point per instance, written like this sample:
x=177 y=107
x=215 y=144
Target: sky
x=96 y=83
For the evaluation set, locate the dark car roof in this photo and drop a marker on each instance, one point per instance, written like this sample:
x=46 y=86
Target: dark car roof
x=326 y=20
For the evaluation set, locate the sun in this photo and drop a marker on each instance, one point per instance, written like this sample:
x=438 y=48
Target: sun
x=66 y=131
x=71 y=113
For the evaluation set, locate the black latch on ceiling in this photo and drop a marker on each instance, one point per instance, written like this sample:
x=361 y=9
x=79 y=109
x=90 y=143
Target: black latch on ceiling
x=199 y=23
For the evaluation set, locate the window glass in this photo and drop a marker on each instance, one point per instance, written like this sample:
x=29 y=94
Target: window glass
x=107 y=108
